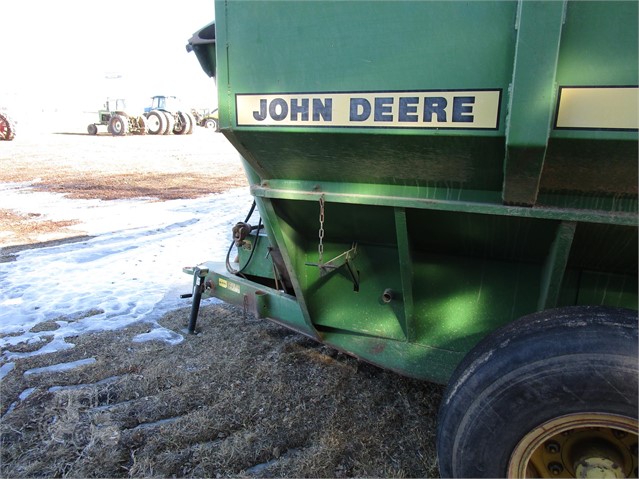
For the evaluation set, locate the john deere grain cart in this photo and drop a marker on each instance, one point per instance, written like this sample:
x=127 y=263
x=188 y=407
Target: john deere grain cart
x=448 y=190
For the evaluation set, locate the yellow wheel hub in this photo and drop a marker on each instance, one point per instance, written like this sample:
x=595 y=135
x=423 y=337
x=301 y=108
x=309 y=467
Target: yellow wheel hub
x=588 y=445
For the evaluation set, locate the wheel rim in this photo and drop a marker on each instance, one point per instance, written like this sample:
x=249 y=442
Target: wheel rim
x=578 y=445
x=154 y=123
x=117 y=126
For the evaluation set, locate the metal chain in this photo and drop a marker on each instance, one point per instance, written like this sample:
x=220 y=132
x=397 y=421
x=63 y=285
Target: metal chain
x=320 y=247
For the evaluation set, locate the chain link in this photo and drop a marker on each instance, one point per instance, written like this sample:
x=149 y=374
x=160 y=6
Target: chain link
x=320 y=247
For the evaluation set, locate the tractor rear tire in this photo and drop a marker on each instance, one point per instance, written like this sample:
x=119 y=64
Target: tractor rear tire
x=7 y=128
x=210 y=123
x=119 y=125
x=182 y=125
x=92 y=129
x=551 y=394
x=192 y=123
x=170 y=123
x=156 y=122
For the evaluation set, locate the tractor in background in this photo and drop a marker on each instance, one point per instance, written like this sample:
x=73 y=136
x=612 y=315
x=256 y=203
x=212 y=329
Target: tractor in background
x=165 y=116
x=117 y=120
x=207 y=118
x=7 y=127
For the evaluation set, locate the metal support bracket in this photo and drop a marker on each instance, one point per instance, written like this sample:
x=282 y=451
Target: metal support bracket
x=344 y=259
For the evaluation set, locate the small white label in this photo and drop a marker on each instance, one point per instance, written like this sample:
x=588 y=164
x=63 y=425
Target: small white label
x=229 y=285
x=598 y=108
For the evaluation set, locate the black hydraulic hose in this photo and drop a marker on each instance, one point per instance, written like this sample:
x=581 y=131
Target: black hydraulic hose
x=229 y=268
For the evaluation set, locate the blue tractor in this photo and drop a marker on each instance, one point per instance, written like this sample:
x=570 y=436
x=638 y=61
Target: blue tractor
x=165 y=116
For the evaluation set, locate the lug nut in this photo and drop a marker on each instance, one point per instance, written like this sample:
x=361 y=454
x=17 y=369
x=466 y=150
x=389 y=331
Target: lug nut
x=555 y=468
x=552 y=447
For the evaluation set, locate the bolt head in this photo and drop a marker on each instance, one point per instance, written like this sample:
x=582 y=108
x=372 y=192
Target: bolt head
x=555 y=468
x=552 y=447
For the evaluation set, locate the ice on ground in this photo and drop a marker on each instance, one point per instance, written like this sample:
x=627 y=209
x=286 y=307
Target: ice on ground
x=26 y=393
x=60 y=367
x=160 y=334
x=75 y=387
x=129 y=271
x=6 y=369
x=22 y=397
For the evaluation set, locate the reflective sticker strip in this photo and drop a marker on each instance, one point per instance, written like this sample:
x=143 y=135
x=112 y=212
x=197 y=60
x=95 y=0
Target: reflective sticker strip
x=598 y=108
x=228 y=285
x=449 y=109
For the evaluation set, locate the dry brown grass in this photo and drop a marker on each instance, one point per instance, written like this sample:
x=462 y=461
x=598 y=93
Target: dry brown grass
x=31 y=228
x=245 y=397
x=161 y=186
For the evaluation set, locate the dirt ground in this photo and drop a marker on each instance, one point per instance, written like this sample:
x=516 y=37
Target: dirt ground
x=105 y=167
x=244 y=398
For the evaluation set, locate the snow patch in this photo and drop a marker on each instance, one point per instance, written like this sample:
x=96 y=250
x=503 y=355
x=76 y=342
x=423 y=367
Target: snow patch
x=60 y=367
x=6 y=369
x=129 y=270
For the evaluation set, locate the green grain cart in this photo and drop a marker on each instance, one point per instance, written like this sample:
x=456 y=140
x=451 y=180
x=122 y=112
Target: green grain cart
x=447 y=190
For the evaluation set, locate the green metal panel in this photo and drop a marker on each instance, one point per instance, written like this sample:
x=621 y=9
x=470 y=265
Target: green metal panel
x=531 y=98
x=555 y=266
x=298 y=46
x=577 y=209
x=255 y=248
x=477 y=189
x=599 y=46
x=406 y=273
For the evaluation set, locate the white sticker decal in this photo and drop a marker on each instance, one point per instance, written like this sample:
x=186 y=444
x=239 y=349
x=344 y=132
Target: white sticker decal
x=598 y=108
x=412 y=109
x=229 y=285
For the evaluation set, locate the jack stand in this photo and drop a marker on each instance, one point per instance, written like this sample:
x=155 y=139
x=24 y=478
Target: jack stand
x=198 y=288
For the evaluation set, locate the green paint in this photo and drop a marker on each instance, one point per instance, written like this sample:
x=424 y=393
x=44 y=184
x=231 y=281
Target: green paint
x=457 y=231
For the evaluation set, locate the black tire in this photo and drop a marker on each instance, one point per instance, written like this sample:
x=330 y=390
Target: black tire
x=182 y=124
x=170 y=123
x=210 y=123
x=565 y=369
x=92 y=129
x=7 y=128
x=119 y=125
x=192 y=123
x=156 y=122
